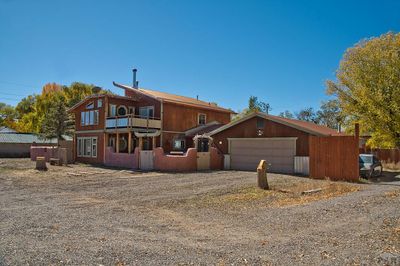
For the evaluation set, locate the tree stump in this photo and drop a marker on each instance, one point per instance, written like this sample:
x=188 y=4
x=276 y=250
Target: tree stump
x=41 y=163
x=262 y=180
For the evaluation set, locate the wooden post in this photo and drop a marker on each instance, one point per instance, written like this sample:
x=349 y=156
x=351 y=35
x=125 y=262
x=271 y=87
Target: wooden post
x=262 y=180
x=140 y=143
x=357 y=130
x=129 y=141
x=117 y=144
x=105 y=145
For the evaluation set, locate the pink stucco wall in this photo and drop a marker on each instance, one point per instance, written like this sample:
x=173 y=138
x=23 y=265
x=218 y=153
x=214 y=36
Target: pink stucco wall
x=175 y=163
x=42 y=151
x=216 y=159
x=121 y=159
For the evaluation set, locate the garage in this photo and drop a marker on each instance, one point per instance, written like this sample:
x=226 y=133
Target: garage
x=282 y=142
x=246 y=153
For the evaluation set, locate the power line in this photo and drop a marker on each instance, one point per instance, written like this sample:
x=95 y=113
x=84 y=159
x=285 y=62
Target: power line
x=12 y=94
x=20 y=84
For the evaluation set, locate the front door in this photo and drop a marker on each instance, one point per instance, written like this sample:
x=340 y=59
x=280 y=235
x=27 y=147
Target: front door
x=146 y=160
x=203 y=161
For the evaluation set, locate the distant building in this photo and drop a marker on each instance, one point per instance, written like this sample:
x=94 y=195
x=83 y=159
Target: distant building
x=17 y=145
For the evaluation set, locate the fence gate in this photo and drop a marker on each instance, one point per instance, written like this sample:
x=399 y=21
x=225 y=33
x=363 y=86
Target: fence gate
x=334 y=157
x=203 y=160
x=146 y=160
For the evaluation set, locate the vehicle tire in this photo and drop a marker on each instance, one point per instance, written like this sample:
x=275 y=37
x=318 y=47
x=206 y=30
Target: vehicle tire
x=377 y=171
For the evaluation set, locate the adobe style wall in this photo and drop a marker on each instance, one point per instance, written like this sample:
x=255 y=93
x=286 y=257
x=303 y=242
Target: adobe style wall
x=124 y=160
x=216 y=159
x=175 y=163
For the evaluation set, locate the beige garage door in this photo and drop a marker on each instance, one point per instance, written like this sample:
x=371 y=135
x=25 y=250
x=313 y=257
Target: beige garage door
x=278 y=152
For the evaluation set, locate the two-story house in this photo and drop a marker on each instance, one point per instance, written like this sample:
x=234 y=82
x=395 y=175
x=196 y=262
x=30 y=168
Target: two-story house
x=142 y=119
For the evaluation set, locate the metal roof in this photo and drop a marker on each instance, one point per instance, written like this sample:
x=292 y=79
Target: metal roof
x=26 y=138
x=7 y=130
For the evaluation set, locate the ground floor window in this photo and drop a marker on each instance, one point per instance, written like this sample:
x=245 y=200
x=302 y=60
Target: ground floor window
x=87 y=146
x=179 y=144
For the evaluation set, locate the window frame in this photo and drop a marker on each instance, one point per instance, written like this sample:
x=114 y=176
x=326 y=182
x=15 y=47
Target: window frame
x=198 y=119
x=81 y=147
x=148 y=108
x=90 y=118
x=182 y=142
x=99 y=103
x=111 y=110
x=124 y=107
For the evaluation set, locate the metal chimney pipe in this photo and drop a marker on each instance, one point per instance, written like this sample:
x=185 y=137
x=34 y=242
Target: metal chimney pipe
x=134 y=82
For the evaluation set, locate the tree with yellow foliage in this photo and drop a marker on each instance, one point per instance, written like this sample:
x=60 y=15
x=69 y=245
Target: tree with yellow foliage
x=368 y=88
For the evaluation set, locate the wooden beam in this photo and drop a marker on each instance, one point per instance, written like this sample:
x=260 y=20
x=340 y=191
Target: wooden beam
x=140 y=143
x=129 y=141
x=105 y=146
x=117 y=143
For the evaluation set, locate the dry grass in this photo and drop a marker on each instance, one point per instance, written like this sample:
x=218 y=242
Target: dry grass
x=392 y=194
x=391 y=166
x=280 y=196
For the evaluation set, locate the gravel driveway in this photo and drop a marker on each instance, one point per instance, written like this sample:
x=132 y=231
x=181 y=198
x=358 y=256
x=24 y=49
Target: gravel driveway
x=83 y=215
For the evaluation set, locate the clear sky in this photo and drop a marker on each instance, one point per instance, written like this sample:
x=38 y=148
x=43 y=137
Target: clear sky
x=223 y=51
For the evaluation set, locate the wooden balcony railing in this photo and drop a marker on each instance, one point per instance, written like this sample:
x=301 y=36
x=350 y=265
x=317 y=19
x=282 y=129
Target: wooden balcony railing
x=133 y=121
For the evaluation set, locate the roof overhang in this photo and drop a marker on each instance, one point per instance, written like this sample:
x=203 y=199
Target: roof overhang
x=267 y=117
x=96 y=96
x=140 y=91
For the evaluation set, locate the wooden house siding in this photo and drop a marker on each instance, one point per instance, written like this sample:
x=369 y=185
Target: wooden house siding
x=182 y=117
x=248 y=129
x=144 y=100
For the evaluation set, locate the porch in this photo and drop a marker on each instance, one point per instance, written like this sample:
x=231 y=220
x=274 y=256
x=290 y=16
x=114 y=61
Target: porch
x=131 y=121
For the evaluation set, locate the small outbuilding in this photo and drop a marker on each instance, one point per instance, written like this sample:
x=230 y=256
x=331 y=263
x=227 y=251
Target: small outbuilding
x=18 y=145
x=282 y=142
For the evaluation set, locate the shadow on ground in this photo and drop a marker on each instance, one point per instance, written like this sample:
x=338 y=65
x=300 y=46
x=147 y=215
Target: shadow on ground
x=387 y=178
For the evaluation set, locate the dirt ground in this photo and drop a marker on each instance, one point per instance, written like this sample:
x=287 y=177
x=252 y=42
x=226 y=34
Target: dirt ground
x=85 y=215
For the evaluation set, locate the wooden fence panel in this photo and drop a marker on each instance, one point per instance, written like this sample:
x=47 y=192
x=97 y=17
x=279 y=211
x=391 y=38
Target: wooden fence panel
x=386 y=155
x=334 y=157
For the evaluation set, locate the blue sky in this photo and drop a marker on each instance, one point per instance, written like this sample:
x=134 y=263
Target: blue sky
x=223 y=51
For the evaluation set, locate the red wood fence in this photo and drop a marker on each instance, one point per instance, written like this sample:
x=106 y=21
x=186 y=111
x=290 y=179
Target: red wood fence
x=386 y=155
x=335 y=157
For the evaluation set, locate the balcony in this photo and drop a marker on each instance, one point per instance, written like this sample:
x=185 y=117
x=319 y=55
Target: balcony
x=132 y=121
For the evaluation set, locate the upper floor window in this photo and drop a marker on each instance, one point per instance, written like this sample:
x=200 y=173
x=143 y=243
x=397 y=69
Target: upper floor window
x=113 y=110
x=121 y=110
x=90 y=105
x=202 y=119
x=89 y=118
x=99 y=103
x=260 y=123
x=146 y=112
x=131 y=110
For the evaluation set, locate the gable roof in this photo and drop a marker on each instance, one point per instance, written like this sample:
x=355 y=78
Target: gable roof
x=305 y=126
x=96 y=96
x=169 y=97
x=202 y=129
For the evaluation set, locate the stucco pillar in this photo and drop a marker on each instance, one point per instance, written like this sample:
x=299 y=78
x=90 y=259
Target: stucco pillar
x=154 y=142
